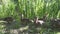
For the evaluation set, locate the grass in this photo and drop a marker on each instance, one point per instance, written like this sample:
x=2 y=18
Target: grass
x=30 y=9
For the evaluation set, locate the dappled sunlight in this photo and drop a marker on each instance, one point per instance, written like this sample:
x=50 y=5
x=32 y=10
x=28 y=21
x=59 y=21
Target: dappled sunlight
x=24 y=28
x=14 y=31
x=2 y=21
x=1 y=26
x=58 y=32
x=18 y=16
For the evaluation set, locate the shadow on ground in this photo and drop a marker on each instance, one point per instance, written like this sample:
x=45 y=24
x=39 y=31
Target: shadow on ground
x=30 y=28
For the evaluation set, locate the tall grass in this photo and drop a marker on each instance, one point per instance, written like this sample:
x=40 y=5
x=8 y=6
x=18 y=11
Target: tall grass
x=39 y=8
x=30 y=8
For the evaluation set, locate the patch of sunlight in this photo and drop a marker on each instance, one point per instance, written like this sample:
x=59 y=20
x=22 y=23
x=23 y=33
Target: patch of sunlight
x=19 y=0
x=58 y=33
x=23 y=28
x=38 y=29
x=2 y=26
x=13 y=31
x=6 y=2
x=3 y=21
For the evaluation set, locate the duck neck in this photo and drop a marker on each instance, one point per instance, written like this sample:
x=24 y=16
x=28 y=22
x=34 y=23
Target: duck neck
x=22 y=16
x=36 y=20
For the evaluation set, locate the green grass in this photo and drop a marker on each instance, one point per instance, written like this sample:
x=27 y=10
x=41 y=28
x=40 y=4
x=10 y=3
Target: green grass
x=30 y=9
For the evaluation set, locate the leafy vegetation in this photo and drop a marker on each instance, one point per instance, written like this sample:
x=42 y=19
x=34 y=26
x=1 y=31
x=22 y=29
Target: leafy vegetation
x=30 y=9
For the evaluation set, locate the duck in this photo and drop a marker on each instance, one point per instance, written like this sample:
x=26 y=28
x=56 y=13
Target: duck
x=39 y=21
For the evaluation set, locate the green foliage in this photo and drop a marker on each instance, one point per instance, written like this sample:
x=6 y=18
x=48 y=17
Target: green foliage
x=30 y=8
